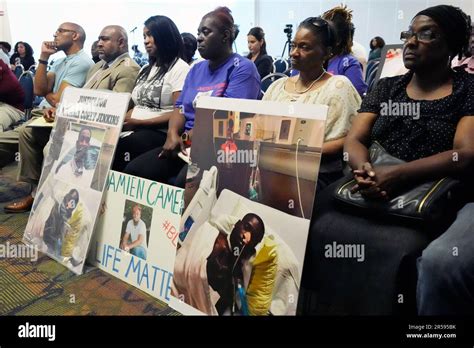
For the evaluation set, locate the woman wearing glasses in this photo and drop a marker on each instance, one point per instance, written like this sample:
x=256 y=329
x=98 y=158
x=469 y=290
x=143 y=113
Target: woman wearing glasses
x=435 y=139
x=311 y=48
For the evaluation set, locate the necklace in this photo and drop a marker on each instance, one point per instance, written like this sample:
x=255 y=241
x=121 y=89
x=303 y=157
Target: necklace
x=311 y=85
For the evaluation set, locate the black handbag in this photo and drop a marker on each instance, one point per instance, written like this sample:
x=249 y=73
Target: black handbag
x=430 y=202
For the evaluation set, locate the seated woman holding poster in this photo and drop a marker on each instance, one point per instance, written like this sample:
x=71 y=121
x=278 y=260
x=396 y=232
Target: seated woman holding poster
x=222 y=74
x=311 y=48
x=424 y=122
x=157 y=88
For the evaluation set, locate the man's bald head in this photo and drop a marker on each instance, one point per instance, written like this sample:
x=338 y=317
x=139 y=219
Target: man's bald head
x=113 y=42
x=69 y=37
x=81 y=34
x=119 y=32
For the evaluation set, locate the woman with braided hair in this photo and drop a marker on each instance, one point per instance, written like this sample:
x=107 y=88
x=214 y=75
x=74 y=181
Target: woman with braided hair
x=343 y=61
x=435 y=142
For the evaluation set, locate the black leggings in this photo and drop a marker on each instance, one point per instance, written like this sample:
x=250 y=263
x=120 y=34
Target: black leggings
x=165 y=170
x=137 y=143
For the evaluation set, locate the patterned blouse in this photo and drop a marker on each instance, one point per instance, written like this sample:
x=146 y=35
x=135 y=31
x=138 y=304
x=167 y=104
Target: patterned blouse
x=412 y=129
x=337 y=93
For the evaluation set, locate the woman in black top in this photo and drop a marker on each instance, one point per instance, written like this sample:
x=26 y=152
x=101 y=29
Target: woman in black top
x=23 y=55
x=258 y=51
x=425 y=118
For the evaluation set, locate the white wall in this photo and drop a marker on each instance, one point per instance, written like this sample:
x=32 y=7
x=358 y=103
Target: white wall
x=385 y=18
x=36 y=20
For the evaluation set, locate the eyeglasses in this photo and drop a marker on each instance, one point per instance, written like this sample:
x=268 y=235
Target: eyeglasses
x=425 y=36
x=319 y=23
x=62 y=30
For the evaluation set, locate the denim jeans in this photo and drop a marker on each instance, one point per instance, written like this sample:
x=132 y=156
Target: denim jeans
x=139 y=251
x=446 y=270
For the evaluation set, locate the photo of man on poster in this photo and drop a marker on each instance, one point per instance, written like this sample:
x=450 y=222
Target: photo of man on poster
x=79 y=164
x=234 y=266
x=135 y=238
x=225 y=263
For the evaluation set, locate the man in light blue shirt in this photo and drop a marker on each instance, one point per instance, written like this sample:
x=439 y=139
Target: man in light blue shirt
x=68 y=71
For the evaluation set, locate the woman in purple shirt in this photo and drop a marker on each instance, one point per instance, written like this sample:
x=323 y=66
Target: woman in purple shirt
x=343 y=62
x=222 y=74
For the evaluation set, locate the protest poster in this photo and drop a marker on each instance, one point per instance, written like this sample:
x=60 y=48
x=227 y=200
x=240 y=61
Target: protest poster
x=78 y=157
x=249 y=195
x=137 y=232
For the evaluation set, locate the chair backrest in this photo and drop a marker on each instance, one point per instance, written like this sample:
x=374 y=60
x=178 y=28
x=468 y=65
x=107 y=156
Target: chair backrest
x=370 y=66
x=26 y=82
x=32 y=69
x=19 y=69
x=371 y=80
x=269 y=79
x=280 y=65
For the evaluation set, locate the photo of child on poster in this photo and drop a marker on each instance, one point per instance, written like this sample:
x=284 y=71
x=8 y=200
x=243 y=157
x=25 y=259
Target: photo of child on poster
x=248 y=202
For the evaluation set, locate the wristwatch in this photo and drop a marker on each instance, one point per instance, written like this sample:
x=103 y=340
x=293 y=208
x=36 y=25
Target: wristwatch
x=186 y=139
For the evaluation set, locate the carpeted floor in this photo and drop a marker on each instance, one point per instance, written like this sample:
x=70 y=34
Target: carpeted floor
x=45 y=287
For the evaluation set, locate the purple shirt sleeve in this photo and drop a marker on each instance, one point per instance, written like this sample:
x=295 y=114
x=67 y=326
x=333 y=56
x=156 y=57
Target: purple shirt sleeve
x=354 y=73
x=350 y=67
x=244 y=81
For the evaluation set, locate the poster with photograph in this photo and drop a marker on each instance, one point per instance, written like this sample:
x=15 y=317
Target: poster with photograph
x=391 y=62
x=248 y=202
x=79 y=155
x=137 y=232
